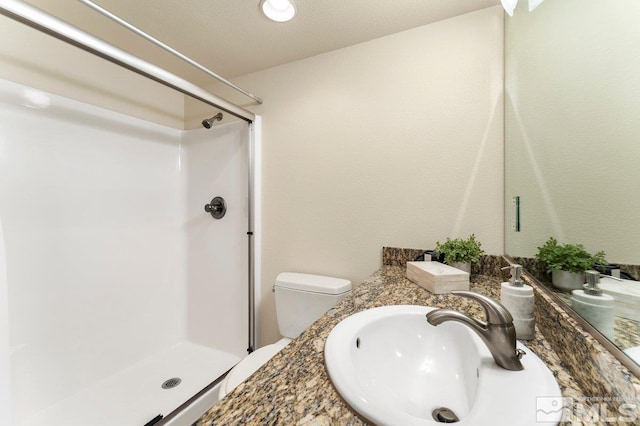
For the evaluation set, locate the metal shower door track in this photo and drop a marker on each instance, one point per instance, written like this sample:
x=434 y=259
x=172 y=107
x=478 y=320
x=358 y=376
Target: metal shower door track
x=42 y=21
x=166 y=47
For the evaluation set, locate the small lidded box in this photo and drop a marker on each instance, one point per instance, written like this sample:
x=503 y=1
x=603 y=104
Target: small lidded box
x=437 y=277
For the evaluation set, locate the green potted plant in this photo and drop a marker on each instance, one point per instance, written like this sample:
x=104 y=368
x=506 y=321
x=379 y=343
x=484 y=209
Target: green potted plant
x=567 y=263
x=460 y=253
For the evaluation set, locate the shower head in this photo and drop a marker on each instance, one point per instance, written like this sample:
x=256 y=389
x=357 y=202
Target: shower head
x=209 y=121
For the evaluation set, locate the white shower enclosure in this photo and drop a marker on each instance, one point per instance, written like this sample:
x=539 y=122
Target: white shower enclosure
x=115 y=278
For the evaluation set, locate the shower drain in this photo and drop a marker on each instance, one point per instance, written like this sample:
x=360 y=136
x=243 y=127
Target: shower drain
x=171 y=383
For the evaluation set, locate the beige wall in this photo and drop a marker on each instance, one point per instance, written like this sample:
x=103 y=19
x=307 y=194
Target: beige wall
x=39 y=61
x=572 y=128
x=396 y=141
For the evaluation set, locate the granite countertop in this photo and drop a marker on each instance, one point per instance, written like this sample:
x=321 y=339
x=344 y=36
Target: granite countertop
x=294 y=388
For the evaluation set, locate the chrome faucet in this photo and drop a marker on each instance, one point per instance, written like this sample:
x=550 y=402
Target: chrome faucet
x=498 y=333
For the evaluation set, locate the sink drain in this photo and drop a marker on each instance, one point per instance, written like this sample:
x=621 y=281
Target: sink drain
x=171 y=383
x=444 y=415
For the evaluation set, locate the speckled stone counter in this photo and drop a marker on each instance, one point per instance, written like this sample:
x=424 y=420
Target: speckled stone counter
x=293 y=387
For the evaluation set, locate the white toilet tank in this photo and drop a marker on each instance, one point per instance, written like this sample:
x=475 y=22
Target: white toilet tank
x=301 y=299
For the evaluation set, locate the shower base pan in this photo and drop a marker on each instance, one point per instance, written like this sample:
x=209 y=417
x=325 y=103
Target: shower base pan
x=136 y=395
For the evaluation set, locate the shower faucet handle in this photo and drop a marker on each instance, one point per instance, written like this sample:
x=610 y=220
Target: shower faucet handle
x=217 y=208
x=212 y=207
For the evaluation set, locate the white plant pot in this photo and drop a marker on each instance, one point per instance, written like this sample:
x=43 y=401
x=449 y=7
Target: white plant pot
x=565 y=280
x=462 y=266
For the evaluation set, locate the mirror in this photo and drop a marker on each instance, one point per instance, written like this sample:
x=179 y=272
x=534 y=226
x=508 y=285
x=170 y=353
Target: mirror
x=572 y=143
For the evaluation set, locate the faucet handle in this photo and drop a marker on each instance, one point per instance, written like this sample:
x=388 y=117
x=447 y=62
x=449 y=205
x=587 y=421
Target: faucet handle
x=495 y=311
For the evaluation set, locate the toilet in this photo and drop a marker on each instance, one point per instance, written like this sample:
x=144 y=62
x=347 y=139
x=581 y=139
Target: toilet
x=301 y=299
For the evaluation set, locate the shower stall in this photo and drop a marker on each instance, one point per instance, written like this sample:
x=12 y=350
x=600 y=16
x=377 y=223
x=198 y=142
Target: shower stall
x=117 y=278
x=122 y=301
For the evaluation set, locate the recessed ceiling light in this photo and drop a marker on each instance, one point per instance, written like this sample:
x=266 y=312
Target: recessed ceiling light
x=278 y=10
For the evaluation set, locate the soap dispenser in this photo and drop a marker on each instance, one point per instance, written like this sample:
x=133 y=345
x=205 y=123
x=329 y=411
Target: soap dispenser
x=595 y=306
x=517 y=297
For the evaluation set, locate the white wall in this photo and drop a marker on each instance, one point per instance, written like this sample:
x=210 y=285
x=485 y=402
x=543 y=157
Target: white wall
x=396 y=141
x=89 y=207
x=5 y=372
x=572 y=128
x=214 y=162
x=38 y=60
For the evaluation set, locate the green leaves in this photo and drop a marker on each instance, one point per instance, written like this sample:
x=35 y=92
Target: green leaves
x=459 y=250
x=568 y=257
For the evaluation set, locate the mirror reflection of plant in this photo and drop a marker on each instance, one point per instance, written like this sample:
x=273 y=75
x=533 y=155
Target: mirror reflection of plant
x=568 y=257
x=460 y=250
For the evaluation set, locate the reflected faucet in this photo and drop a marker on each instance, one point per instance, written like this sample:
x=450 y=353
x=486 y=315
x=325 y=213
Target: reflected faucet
x=498 y=333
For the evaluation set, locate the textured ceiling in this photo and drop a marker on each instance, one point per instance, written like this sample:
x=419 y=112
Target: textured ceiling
x=232 y=38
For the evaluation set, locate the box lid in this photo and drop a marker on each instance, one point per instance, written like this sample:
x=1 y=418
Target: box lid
x=439 y=272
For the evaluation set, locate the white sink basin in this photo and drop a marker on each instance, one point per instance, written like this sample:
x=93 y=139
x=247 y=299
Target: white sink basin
x=394 y=368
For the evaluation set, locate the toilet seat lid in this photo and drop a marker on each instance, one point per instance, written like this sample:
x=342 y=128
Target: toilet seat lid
x=249 y=365
x=312 y=283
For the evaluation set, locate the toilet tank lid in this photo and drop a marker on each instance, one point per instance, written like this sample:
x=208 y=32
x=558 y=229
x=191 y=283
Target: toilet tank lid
x=312 y=283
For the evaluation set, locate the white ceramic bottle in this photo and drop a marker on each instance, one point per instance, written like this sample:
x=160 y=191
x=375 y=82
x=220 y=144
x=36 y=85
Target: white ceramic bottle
x=517 y=297
x=595 y=306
